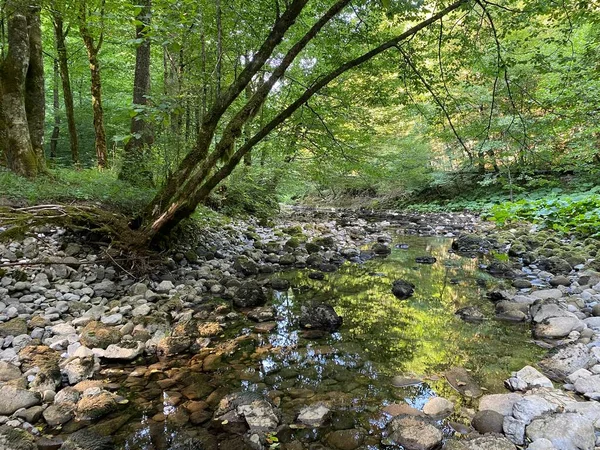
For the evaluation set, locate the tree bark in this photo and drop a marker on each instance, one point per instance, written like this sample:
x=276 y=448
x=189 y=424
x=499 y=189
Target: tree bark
x=165 y=216
x=135 y=161
x=63 y=64
x=56 y=110
x=22 y=147
x=96 y=84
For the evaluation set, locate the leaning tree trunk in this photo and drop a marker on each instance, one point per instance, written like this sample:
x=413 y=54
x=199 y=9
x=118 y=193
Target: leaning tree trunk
x=22 y=146
x=63 y=64
x=135 y=164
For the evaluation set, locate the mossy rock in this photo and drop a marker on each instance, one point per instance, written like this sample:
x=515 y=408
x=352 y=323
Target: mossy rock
x=295 y=230
x=97 y=335
x=293 y=242
x=13 y=327
x=16 y=439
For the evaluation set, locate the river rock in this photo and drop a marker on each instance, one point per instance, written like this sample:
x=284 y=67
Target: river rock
x=79 y=369
x=557 y=327
x=314 y=415
x=125 y=350
x=470 y=243
x=567 y=431
x=105 y=288
x=403 y=289
x=249 y=294
x=541 y=444
x=320 y=317
x=588 y=384
x=87 y=439
x=59 y=414
x=97 y=335
x=531 y=407
x=9 y=371
x=500 y=403
x=12 y=398
x=555 y=265
x=565 y=360
x=279 y=284
x=16 y=439
x=414 y=433
x=488 y=442
x=96 y=403
x=260 y=415
x=245 y=265
x=13 y=327
x=527 y=378
x=345 y=439
x=488 y=421
x=463 y=382
x=438 y=407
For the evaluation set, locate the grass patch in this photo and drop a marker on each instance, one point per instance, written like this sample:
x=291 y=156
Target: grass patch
x=67 y=185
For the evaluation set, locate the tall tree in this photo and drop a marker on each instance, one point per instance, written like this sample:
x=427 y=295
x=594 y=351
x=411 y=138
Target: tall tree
x=197 y=175
x=55 y=109
x=22 y=90
x=63 y=64
x=134 y=167
x=93 y=47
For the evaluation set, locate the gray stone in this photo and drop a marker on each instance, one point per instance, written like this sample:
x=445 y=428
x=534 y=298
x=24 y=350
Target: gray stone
x=567 y=431
x=124 y=350
x=16 y=439
x=514 y=430
x=557 y=327
x=566 y=360
x=113 y=319
x=59 y=414
x=500 y=403
x=414 y=433
x=9 y=371
x=260 y=416
x=487 y=442
x=586 y=385
x=488 y=421
x=531 y=407
x=527 y=378
x=142 y=310
x=105 y=288
x=438 y=407
x=314 y=415
x=12 y=398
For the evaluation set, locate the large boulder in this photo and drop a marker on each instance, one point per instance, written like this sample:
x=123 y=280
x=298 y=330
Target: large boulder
x=569 y=431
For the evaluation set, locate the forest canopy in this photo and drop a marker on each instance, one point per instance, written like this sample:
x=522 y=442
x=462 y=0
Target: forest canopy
x=359 y=97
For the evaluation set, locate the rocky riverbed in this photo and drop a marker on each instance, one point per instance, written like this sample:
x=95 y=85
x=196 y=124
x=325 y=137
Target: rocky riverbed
x=95 y=357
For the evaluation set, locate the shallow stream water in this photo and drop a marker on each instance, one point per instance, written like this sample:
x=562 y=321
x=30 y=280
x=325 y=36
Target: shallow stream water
x=352 y=369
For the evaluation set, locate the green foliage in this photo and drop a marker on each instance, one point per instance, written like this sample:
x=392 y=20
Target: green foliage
x=575 y=213
x=64 y=185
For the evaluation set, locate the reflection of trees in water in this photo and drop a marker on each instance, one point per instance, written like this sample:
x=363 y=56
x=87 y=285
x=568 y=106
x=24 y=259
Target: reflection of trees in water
x=420 y=334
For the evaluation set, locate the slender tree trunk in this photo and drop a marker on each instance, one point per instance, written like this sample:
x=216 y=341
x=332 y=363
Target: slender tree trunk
x=219 y=67
x=135 y=161
x=56 y=110
x=63 y=64
x=96 y=84
x=22 y=147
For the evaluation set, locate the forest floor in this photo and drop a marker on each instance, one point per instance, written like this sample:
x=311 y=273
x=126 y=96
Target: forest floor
x=93 y=342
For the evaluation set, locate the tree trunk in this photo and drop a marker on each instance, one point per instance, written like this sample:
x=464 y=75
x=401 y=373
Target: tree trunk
x=96 y=84
x=135 y=161
x=56 y=110
x=63 y=64
x=21 y=147
x=35 y=102
x=219 y=68
x=173 y=204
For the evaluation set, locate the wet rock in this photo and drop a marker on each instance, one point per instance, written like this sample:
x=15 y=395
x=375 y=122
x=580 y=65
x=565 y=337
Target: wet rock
x=262 y=314
x=209 y=329
x=16 y=439
x=500 y=269
x=560 y=280
x=96 y=404
x=470 y=314
x=248 y=408
x=249 y=294
x=320 y=317
x=567 y=431
x=402 y=381
x=414 y=433
x=527 y=378
x=79 y=369
x=172 y=345
x=316 y=276
x=279 y=284
x=401 y=409
x=555 y=265
x=463 y=382
x=425 y=260
x=403 y=289
x=438 y=407
x=470 y=243
x=87 y=439
x=521 y=283
x=381 y=249
x=488 y=421
x=12 y=398
x=314 y=415
x=345 y=439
